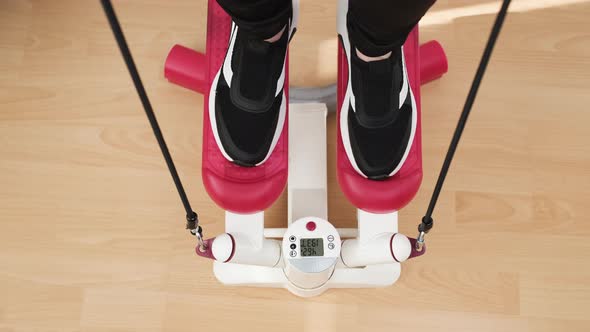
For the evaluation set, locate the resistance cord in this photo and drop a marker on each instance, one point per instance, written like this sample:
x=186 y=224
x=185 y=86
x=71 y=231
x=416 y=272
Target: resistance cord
x=192 y=219
x=427 y=221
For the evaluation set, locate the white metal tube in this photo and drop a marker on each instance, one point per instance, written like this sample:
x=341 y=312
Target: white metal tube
x=382 y=249
x=239 y=249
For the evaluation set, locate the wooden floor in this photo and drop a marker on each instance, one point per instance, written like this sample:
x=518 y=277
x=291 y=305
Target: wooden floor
x=91 y=230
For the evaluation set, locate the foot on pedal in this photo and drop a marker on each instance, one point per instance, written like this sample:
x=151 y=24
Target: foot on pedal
x=247 y=103
x=378 y=116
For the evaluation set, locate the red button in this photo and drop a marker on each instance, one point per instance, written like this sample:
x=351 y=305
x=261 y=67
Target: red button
x=310 y=226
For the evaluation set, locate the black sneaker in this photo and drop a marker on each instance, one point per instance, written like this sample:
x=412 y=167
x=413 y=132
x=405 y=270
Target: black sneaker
x=378 y=115
x=247 y=104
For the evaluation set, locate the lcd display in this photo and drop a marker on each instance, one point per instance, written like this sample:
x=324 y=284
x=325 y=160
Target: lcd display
x=312 y=247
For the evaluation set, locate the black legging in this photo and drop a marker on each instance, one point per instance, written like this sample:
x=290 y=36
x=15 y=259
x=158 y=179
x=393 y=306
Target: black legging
x=376 y=26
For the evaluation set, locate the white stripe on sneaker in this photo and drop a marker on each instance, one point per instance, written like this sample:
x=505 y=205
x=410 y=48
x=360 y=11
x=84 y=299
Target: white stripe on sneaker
x=228 y=72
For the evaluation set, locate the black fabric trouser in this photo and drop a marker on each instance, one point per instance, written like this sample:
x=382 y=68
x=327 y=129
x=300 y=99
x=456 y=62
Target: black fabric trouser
x=375 y=26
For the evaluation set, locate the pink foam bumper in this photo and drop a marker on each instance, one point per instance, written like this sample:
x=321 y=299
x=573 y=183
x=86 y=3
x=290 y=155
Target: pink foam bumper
x=187 y=68
x=433 y=61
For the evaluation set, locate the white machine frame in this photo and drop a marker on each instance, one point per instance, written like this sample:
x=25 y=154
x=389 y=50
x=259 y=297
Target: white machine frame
x=307 y=197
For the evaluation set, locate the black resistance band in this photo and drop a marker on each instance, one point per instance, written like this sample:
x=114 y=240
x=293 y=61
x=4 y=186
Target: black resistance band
x=427 y=221
x=192 y=220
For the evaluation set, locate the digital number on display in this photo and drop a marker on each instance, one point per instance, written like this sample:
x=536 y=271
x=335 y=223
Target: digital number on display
x=312 y=247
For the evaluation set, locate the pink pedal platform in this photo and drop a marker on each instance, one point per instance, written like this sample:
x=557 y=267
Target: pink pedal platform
x=253 y=189
x=234 y=188
x=397 y=191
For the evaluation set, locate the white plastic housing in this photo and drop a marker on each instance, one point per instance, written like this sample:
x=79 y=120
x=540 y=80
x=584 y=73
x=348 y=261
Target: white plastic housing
x=308 y=272
x=384 y=248
x=308 y=182
x=244 y=242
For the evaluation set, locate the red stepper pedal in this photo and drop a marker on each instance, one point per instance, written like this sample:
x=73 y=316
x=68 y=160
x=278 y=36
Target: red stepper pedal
x=249 y=190
x=397 y=191
x=234 y=188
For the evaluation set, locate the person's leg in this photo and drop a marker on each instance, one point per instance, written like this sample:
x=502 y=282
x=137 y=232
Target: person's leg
x=378 y=118
x=378 y=26
x=247 y=105
x=263 y=18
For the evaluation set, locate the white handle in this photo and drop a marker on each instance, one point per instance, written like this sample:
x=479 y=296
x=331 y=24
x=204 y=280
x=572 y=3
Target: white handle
x=382 y=249
x=238 y=249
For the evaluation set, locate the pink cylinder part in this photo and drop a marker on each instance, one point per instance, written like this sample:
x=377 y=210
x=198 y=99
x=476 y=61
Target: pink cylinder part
x=187 y=68
x=433 y=61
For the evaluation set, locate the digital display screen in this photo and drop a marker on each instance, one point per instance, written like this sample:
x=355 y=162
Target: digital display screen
x=312 y=247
